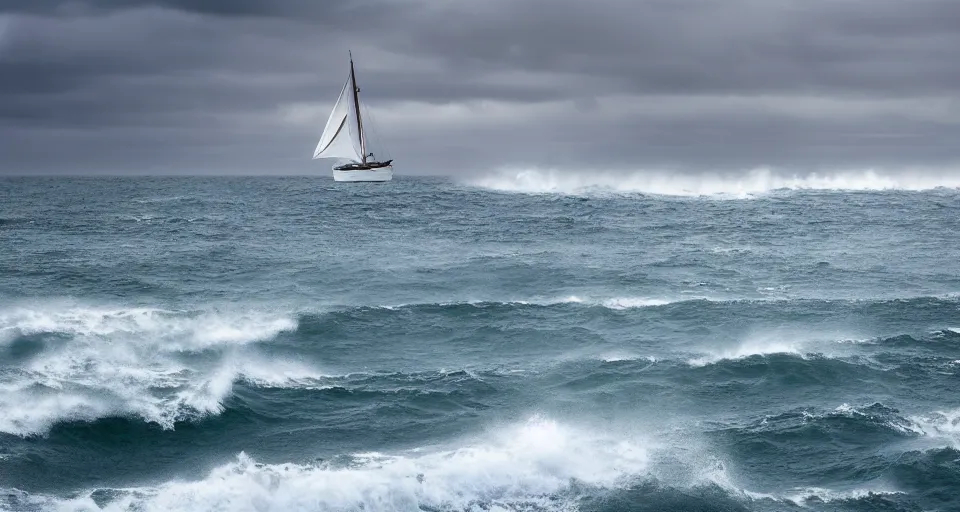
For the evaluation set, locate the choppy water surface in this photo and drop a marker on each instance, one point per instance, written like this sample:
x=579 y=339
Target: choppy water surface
x=295 y=344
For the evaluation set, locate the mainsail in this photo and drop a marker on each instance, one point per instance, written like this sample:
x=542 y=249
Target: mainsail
x=343 y=135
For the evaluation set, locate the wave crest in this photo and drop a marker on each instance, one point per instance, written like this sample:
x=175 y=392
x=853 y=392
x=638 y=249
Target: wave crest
x=179 y=330
x=521 y=467
x=84 y=363
x=940 y=426
x=757 y=181
x=538 y=464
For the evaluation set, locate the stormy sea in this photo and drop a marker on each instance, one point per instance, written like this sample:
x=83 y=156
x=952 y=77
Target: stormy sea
x=514 y=342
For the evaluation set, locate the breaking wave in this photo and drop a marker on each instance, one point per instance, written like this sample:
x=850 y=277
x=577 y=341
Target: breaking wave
x=80 y=364
x=536 y=465
x=175 y=330
x=758 y=181
x=940 y=425
x=523 y=467
x=748 y=349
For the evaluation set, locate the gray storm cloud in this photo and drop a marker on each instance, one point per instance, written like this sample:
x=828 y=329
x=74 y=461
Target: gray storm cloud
x=466 y=87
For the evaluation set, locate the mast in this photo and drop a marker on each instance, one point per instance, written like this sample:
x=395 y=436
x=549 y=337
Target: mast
x=356 y=104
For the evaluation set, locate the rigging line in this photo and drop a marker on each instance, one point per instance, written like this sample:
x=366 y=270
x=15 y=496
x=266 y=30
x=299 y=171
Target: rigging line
x=372 y=125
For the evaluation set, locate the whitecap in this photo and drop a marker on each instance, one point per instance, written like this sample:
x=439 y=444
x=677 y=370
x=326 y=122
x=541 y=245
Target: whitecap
x=756 y=347
x=100 y=361
x=516 y=468
x=742 y=184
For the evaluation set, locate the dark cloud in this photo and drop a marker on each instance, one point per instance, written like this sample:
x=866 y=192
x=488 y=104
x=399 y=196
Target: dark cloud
x=239 y=8
x=245 y=85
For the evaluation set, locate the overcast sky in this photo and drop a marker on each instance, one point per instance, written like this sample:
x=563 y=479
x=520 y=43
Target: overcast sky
x=245 y=86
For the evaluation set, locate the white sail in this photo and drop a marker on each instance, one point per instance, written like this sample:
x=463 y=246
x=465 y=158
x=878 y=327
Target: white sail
x=341 y=136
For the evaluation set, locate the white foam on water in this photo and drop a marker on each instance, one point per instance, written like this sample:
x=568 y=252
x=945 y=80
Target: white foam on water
x=857 y=341
x=901 y=425
x=936 y=429
x=803 y=342
x=940 y=426
x=731 y=185
x=521 y=467
x=97 y=362
x=610 y=303
x=752 y=347
x=740 y=249
x=802 y=496
x=538 y=464
x=767 y=295
x=177 y=329
x=633 y=302
x=152 y=390
x=799 y=496
x=616 y=356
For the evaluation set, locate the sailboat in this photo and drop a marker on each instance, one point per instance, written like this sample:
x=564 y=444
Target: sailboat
x=344 y=138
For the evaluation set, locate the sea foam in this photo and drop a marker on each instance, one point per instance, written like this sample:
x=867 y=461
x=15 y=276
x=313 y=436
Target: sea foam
x=91 y=362
x=522 y=467
x=538 y=464
x=736 y=185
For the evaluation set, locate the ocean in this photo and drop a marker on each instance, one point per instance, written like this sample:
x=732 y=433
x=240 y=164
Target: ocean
x=536 y=343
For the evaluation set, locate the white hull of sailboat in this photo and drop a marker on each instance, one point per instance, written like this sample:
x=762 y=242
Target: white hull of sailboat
x=380 y=174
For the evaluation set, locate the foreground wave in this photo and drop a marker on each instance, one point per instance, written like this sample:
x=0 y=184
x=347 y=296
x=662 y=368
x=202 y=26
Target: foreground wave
x=531 y=465
x=539 y=464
